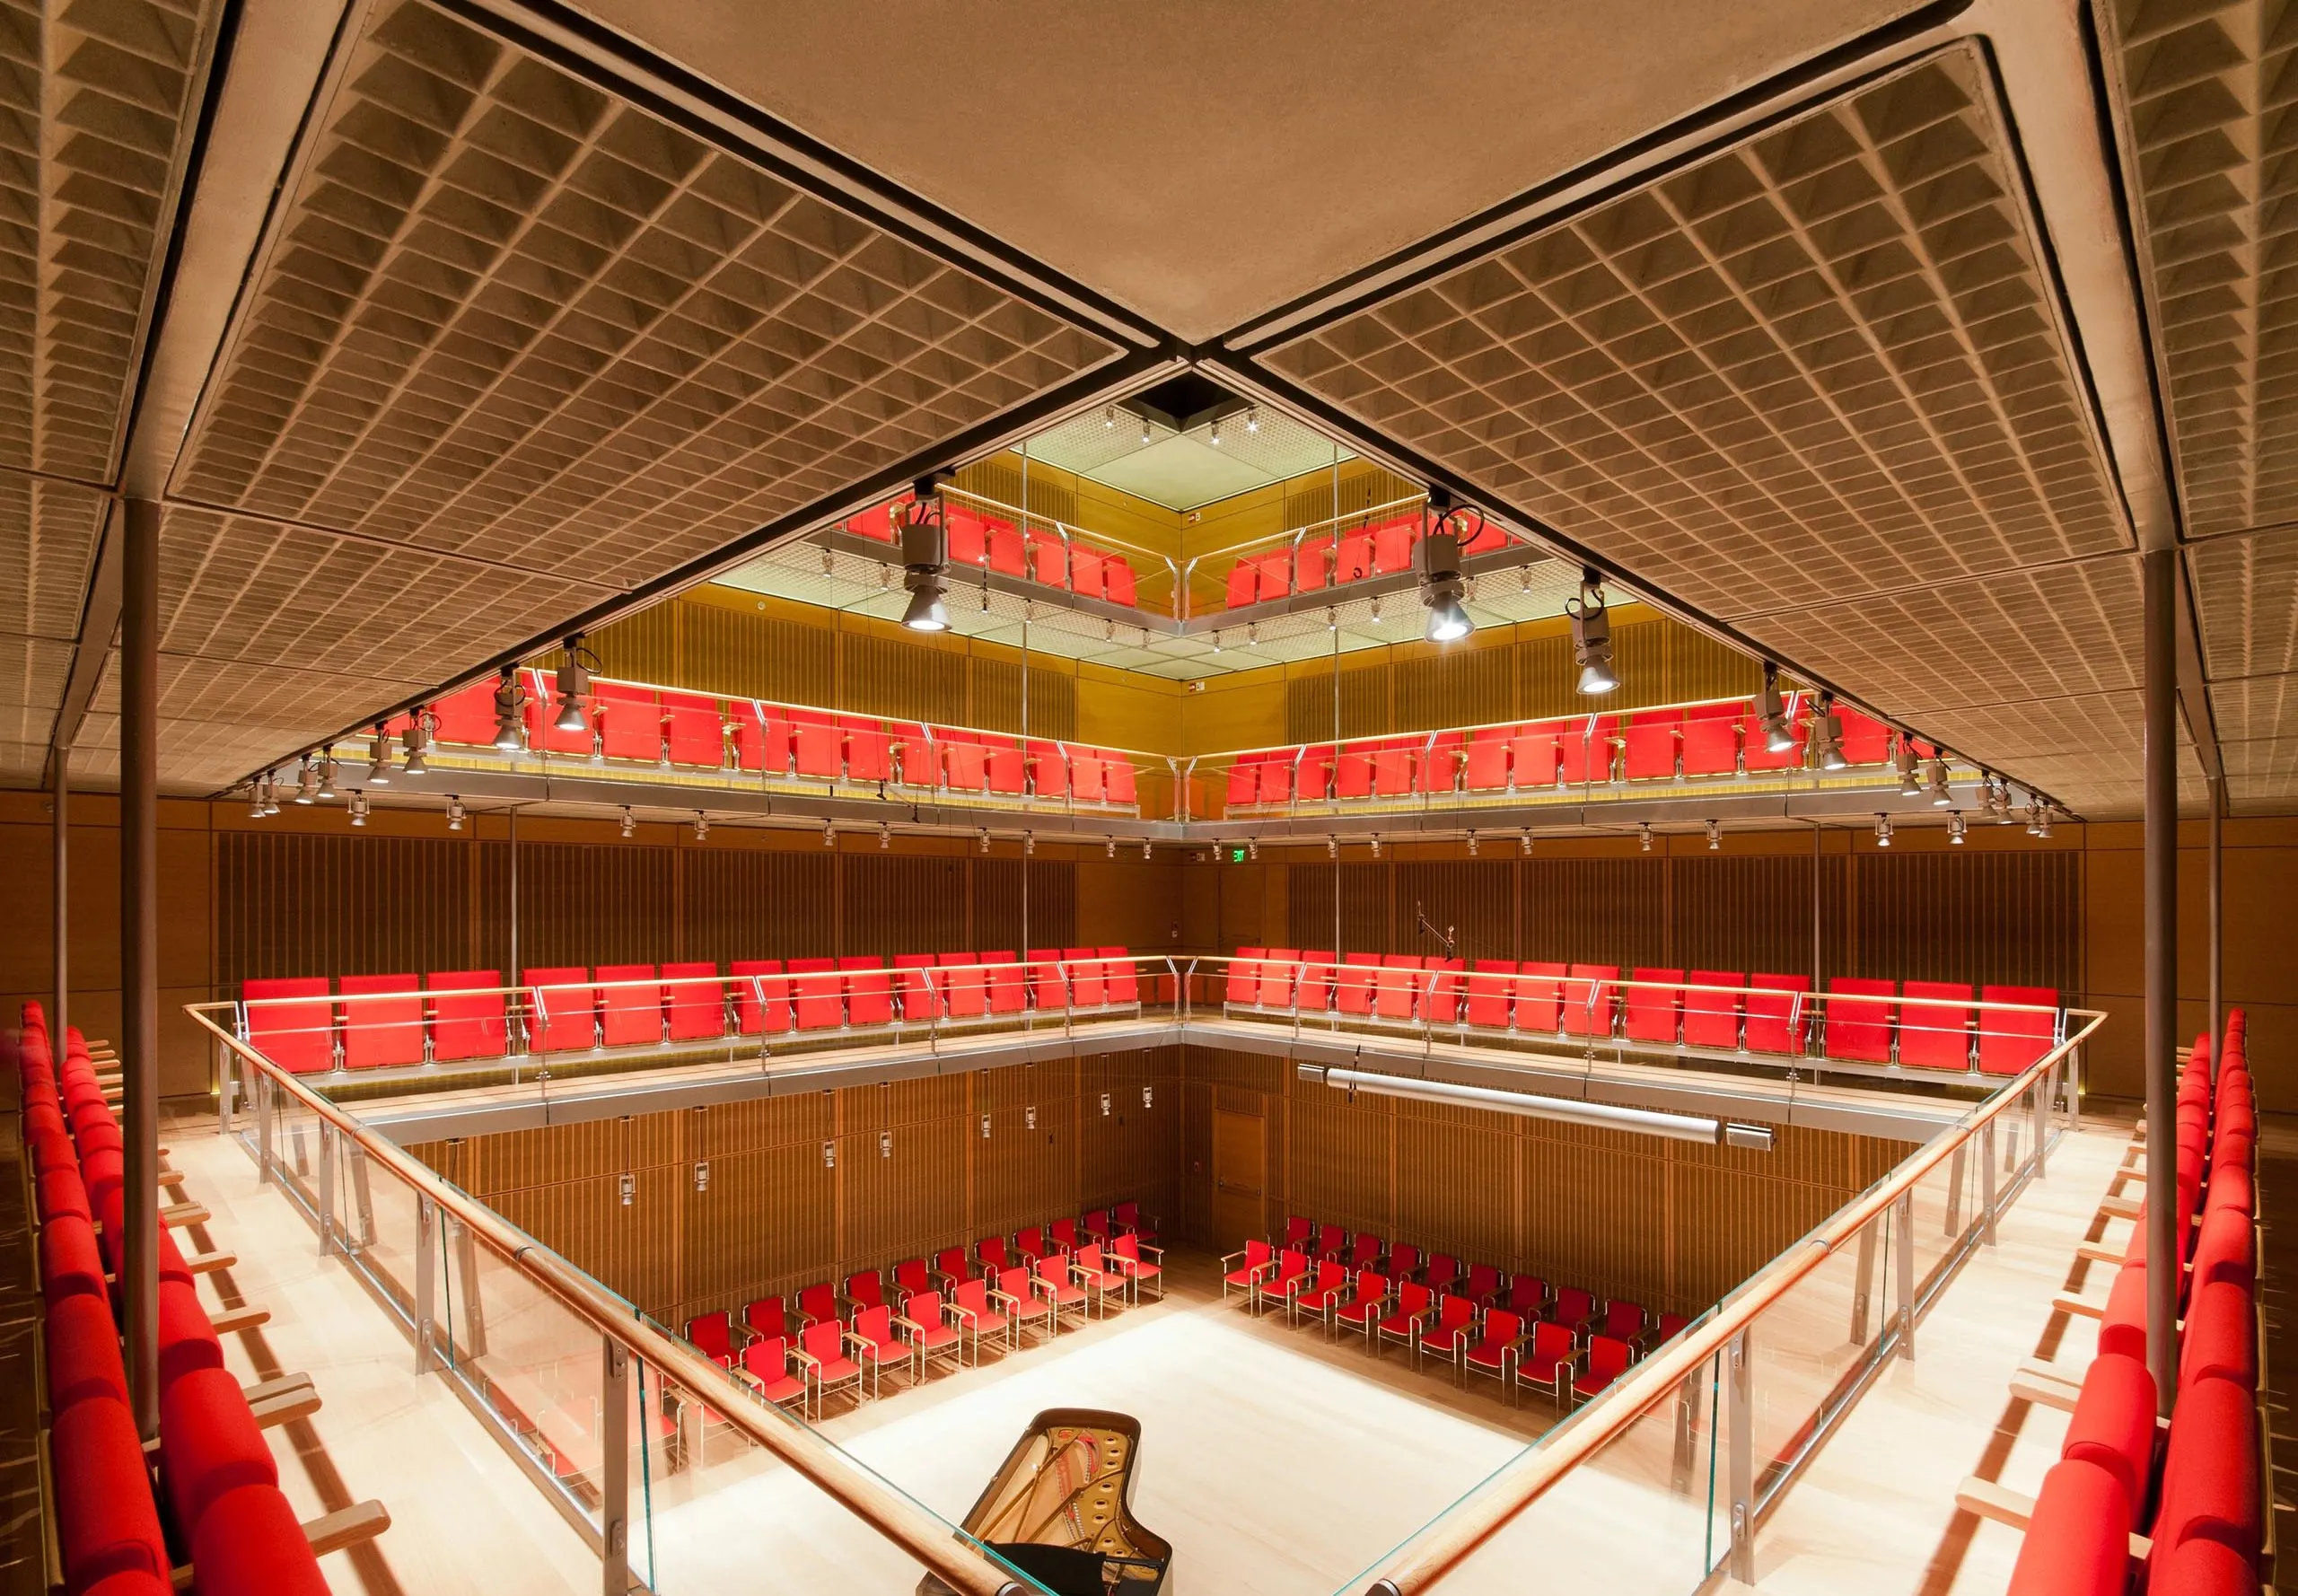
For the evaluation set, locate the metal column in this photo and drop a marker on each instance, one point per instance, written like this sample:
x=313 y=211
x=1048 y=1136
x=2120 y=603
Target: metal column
x=1903 y=1222
x=427 y=1280
x=1739 y=1393
x=2217 y=926
x=60 y=789
x=614 y=1467
x=2162 y=910
x=139 y=948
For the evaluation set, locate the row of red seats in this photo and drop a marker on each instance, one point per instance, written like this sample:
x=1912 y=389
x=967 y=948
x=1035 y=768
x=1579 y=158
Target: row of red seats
x=664 y=727
x=217 y=1503
x=456 y=1015
x=983 y=541
x=1328 y=560
x=1938 y=1025
x=1701 y=739
x=2199 y=1493
x=822 y=1339
x=1568 y=1344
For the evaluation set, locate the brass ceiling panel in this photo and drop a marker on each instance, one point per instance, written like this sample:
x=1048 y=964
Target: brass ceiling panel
x=2204 y=95
x=2246 y=589
x=511 y=315
x=2258 y=706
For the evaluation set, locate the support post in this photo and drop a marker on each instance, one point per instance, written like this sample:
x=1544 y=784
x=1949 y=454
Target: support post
x=1955 y=1191
x=325 y=1184
x=1863 y=1292
x=59 y=1013
x=139 y=947
x=2218 y=927
x=2038 y=1099
x=263 y=1098
x=2160 y=574
x=1739 y=1386
x=614 y=1469
x=426 y=1279
x=1903 y=1220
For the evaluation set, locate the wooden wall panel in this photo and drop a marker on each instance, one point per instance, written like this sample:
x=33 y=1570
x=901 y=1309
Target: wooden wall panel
x=756 y=903
x=1754 y=913
x=580 y=903
x=1594 y=911
x=1001 y=687
x=1972 y=915
x=1452 y=1179
x=888 y=675
x=301 y=904
x=904 y=903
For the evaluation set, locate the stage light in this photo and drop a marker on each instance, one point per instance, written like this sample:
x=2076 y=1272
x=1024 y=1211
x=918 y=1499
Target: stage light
x=1028 y=845
x=1438 y=558
x=574 y=686
x=1592 y=636
x=307 y=782
x=416 y=740
x=1643 y=835
x=1253 y=634
x=1940 y=798
x=1108 y=418
x=701 y=826
x=983 y=836
x=1910 y=781
x=1216 y=640
x=1882 y=831
x=379 y=761
x=358 y=809
x=326 y=794
x=1826 y=735
x=885 y=837
x=2043 y=824
x=1252 y=418
x=454 y=814
x=1144 y=853
x=1332 y=848
x=1215 y=431
x=630 y=824
x=829 y=834
x=1252 y=849
x=924 y=557
x=1375 y=840
x=510 y=737
x=885 y=1143
x=1146 y=433
x=1109 y=849
x=254 y=799
x=1778 y=736
x=1715 y=835
x=1471 y=844
x=1524 y=844
x=270 y=793
x=1955 y=826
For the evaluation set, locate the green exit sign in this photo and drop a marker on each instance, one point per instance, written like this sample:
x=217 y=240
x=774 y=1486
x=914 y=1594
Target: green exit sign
x=1236 y=856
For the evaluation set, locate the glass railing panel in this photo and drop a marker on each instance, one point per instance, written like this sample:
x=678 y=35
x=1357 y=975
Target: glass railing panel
x=1808 y=1349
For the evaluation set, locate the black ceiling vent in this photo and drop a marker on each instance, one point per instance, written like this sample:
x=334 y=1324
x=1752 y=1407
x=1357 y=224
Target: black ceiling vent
x=1186 y=401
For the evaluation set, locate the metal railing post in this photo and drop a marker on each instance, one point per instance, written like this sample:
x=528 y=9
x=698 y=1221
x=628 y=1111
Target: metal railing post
x=1904 y=1219
x=2042 y=1126
x=1986 y=1182
x=263 y=1130
x=1744 y=1462
x=614 y=1469
x=426 y=1279
x=325 y=1185
x=1954 y=1192
x=1863 y=1292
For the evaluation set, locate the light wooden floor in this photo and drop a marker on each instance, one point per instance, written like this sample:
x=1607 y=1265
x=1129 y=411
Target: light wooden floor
x=1273 y=1461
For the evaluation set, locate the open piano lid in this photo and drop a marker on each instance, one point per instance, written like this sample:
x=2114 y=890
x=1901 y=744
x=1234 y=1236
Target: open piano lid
x=1059 y=1509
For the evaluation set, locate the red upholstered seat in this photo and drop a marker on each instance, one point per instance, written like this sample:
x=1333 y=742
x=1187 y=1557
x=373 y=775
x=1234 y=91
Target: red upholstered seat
x=869 y=750
x=1048 y=981
x=83 y=1348
x=298 y=1035
x=106 y=1520
x=2225 y=1248
x=1859 y=1019
x=1398 y=987
x=1935 y=1032
x=1088 y=989
x=818 y=993
x=2009 y=1041
x=761 y=739
x=1527 y=1295
x=765 y=1316
x=630 y=722
x=188 y=1342
x=2113 y=1424
x=1415 y=1304
x=821 y=1351
x=696 y=727
x=466 y=1023
x=2122 y=1330
x=1651 y=740
x=1535 y=755
x=2201 y=1568
x=1244 y=977
x=1121 y=984
x=1547 y=1358
x=1126 y=1258
x=562 y=1009
x=1442 y=1271
x=918 y=991
x=766 y=1361
x=869 y=992
x=762 y=997
x=1279 y=978
x=2078 y=1542
x=1491 y=988
x=969 y=1309
x=1007 y=770
x=818 y=745
x=1008 y=982
x=695 y=999
x=1241 y=1270
x=1494 y=1351
x=1779 y=1012
x=209 y=1443
x=872 y=1343
x=1453 y=1329
x=630 y=1005
x=2210 y=1471
x=71 y=1265
x=1366 y=1304
x=1588 y=998
x=1018 y=1298
x=711 y=1333
x=1607 y=1358
x=1654 y=1004
x=1486 y=766
x=1711 y=1016
x=382 y=1020
x=1711 y=739
x=2221 y=1338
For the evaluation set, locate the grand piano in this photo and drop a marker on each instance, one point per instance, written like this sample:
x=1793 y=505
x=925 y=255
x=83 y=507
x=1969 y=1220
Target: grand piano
x=1059 y=1509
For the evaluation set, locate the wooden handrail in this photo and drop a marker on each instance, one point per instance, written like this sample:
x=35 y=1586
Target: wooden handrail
x=910 y=1527
x=1540 y=1467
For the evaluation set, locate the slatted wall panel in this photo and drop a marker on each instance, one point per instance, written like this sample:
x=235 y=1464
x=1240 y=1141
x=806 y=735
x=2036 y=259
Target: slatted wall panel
x=1472 y=898
x=1002 y=918
x=746 y=654
x=1133 y=1150
x=1363 y=691
x=1594 y=911
x=745 y=904
x=1020 y=1175
x=1729 y=912
x=1461 y=686
x=1052 y=492
x=289 y=904
x=1309 y=498
x=889 y=676
x=1660 y=662
x=579 y=903
x=910 y=1201
x=898 y=903
x=1364 y=890
x=1452 y=1179
x=2014 y=916
x=998 y=686
x=1340 y=1160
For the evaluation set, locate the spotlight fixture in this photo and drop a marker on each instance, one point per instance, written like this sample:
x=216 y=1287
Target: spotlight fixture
x=271 y=794
x=1826 y=735
x=1144 y=853
x=1715 y=835
x=1109 y=631
x=1214 y=434
x=379 y=761
x=327 y=792
x=1882 y=831
x=924 y=559
x=1911 y=784
x=628 y=1185
x=255 y=800
x=885 y=1143
x=983 y=838
x=702 y=1174
x=1028 y=845
x=1216 y=640
x=1109 y=419
x=985 y=1127
x=1955 y=826
x=1332 y=618
x=1524 y=844
x=1148 y=1096
x=829 y=834
x=574 y=686
x=1438 y=558
x=701 y=826
x=510 y=736
x=358 y=809
x=1109 y=849
x=2042 y=823
x=1375 y=840
x=454 y=814
x=1940 y=798
x=1253 y=634
x=1592 y=636
x=1778 y=735
x=1471 y=844
x=416 y=740
x=1373 y=609
x=1252 y=849
x=629 y=825
x=2034 y=816
x=307 y=782
x=1252 y=418
x=1332 y=848
x=1146 y=436
x=1643 y=835
x=885 y=837
x=829 y=1155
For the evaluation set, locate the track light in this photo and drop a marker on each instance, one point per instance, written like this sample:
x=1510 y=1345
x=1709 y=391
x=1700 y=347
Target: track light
x=1253 y=634
x=1778 y=735
x=1252 y=418
x=2042 y=823
x=1911 y=784
x=924 y=557
x=1373 y=608
x=574 y=686
x=358 y=809
x=1882 y=831
x=1471 y=844
x=2034 y=816
x=1715 y=835
x=885 y=837
x=1028 y=845
x=1146 y=436
x=1109 y=848
x=1215 y=432
x=885 y=1143
x=1144 y=853
x=1955 y=826
x=701 y=826
x=1826 y=735
x=1439 y=557
x=984 y=839
x=1332 y=618
x=630 y=824
x=1252 y=849
x=326 y=794
x=509 y=735
x=829 y=834
x=1524 y=844
x=416 y=740
x=1592 y=636
x=379 y=761
x=307 y=782
x=271 y=794
x=1643 y=835
x=254 y=799
x=1332 y=848
x=1940 y=798
x=1375 y=840
x=1108 y=418
x=454 y=814
x=1216 y=640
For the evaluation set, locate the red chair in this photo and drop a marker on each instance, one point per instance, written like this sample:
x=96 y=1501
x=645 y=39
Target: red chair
x=2113 y=1424
x=696 y=999
x=1129 y=1218
x=695 y=726
x=711 y=1333
x=1299 y=1232
x=1935 y=1033
x=930 y=1332
x=2221 y=1338
x=1654 y=1005
x=970 y=1312
x=765 y=1317
x=1526 y=1296
x=1535 y=758
x=1483 y=1286
x=1623 y=1320
x=1364 y=1309
x=631 y=1012
x=1454 y=1329
x=761 y=739
x=869 y=751
x=2079 y=1539
x=1049 y=981
x=864 y=1288
x=1574 y=1306
x=1496 y=1351
x=1492 y=993
x=1094 y=1276
x=874 y=1344
x=821 y=1352
x=1051 y=1281
x=466 y=1023
x=1404 y=1260
x=83 y=1348
x=106 y=1520
x=1280 y=1284
x=918 y=991
x=1258 y=1257
x=1442 y=1271
x=1440 y=1003
x=762 y=997
x=1018 y=1299
x=1711 y=1018
x=1652 y=743
x=1859 y=1013
x=1777 y=1013
x=298 y=1037
x=1008 y=983
x=630 y=722
x=1393 y=769
x=965 y=767
x=1063 y=1233
x=1121 y=984
x=1354 y=982
x=1540 y=998
x=965 y=992
x=1414 y=1304
x=1088 y=989
x=1588 y=996
x=1030 y=1242
x=1280 y=977
x=1243 y=986
x=992 y=1253
x=2010 y=1041
x=209 y=1444
x=1124 y=1257
x=1331 y=1242
x=818 y=993
x=1711 y=739
x=1396 y=993
x=1485 y=767
x=869 y=992
x=765 y=1369
x=817 y=744
x=382 y=1021
x=1607 y=1358
x=950 y=1267
x=818 y=1302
